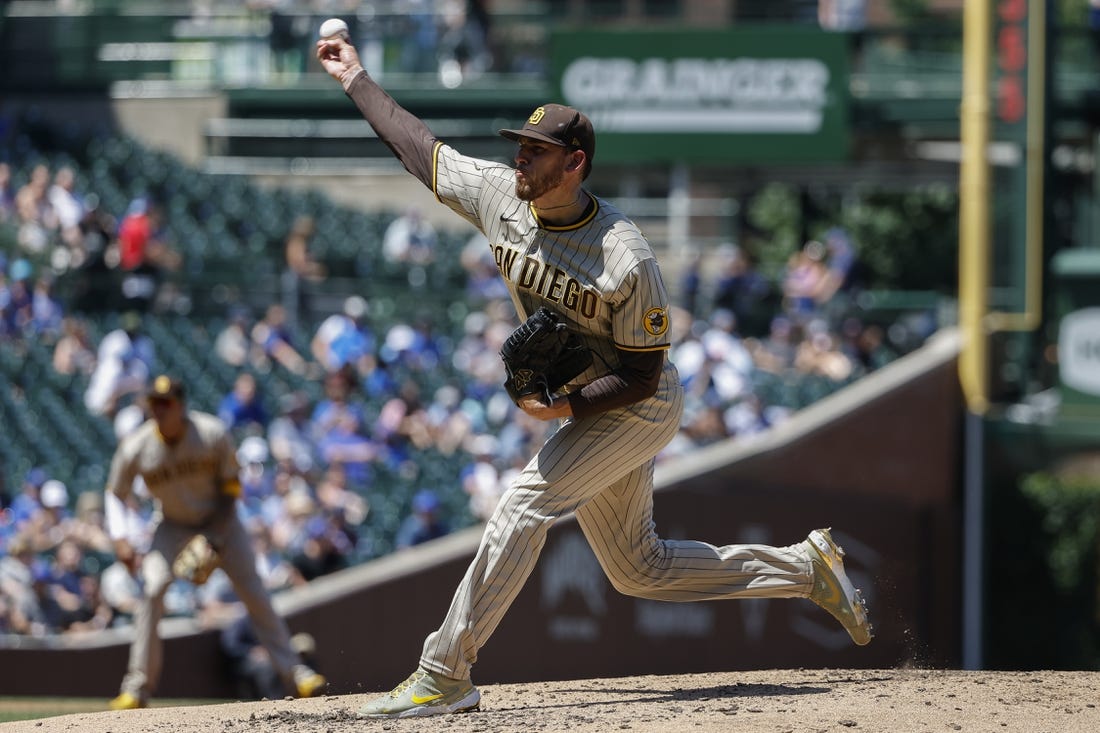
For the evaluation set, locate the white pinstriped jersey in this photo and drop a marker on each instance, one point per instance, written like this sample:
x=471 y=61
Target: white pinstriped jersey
x=599 y=274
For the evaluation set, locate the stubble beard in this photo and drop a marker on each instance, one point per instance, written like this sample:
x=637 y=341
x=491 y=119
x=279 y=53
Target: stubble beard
x=531 y=187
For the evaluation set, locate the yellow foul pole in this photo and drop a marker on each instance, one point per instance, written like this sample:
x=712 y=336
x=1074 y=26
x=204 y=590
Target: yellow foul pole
x=974 y=205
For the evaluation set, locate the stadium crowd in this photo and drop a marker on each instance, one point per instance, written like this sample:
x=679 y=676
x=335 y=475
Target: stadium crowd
x=321 y=469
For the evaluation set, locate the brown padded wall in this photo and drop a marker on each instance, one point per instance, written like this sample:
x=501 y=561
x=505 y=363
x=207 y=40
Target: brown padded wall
x=884 y=475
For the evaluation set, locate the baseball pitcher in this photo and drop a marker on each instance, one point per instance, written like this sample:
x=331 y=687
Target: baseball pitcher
x=561 y=248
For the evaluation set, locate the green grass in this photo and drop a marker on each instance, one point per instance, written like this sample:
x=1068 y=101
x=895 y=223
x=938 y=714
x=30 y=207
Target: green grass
x=33 y=708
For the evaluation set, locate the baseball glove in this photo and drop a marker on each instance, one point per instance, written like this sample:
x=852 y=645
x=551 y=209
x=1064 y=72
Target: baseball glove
x=542 y=355
x=196 y=561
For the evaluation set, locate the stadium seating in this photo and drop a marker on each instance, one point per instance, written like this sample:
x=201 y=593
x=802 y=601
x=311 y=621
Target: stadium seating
x=231 y=235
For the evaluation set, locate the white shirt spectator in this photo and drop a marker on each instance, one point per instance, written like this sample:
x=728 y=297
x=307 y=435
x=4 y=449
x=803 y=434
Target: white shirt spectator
x=124 y=362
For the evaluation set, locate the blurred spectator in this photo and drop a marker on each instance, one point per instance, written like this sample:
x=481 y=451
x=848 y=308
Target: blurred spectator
x=775 y=353
x=420 y=39
x=288 y=435
x=35 y=216
x=288 y=39
x=91 y=288
x=124 y=361
x=289 y=486
x=326 y=549
x=17 y=305
x=819 y=355
x=747 y=416
x=274 y=568
x=477 y=354
x=481 y=479
x=17 y=569
x=128 y=418
x=691 y=283
x=39 y=613
x=401 y=424
x=424 y=523
x=27 y=502
x=483 y=281
x=242 y=409
x=334 y=495
x=464 y=52
x=410 y=238
x=48 y=525
x=301 y=273
x=716 y=367
x=347 y=445
x=804 y=281
x=7 y=194
x=867 y=346
x=73 y=354
x=275 y=339
x=257 y=481
x=414 y=347
x=345 y=340
x=75 y=591
x=289 y=514
x=144 y=254
x=742 y=290
x=334 y=405
x=87 y=527
x=254 y=674
x=46 y=310
x=233 y=344
x=121 y=587
x=448 y=424
x=702 y=423
x=68 y=207
x=842 y=15
x=842 y=267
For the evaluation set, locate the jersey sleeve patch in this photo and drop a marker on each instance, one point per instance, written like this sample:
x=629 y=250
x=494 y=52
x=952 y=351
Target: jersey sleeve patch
x=655 y=321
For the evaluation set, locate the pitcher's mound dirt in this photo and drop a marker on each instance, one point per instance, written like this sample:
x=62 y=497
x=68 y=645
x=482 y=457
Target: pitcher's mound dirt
x=769 y=701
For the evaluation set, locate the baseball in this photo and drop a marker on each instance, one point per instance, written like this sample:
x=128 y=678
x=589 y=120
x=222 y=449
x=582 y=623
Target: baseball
x=334 y=27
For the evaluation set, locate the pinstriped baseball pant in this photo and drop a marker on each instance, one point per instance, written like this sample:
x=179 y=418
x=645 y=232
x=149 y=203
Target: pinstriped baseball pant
x=239 y=563
x=601 y=468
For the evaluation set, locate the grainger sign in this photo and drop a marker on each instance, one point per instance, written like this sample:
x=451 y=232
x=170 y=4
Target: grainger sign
x=746 y=95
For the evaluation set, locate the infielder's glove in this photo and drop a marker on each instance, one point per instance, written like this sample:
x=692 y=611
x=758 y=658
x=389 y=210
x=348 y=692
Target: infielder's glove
x=542 y=355
x=196 y=561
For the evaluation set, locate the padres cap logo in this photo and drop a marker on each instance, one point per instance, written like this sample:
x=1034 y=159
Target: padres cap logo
x=536 y=116
x=655 y=321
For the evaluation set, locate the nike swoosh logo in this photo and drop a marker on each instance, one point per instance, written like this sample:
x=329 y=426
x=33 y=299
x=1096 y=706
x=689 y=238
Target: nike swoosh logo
x=505 y=218
x=417 y=700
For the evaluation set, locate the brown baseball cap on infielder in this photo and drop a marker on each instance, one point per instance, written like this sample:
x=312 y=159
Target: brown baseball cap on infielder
x=165 y=388
x=558 y=125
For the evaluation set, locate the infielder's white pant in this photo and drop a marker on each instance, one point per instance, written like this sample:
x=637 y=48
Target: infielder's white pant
x=239 y=563
x=601 y=468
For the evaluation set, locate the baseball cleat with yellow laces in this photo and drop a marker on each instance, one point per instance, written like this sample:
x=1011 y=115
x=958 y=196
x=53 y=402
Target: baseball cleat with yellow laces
x=423 y=694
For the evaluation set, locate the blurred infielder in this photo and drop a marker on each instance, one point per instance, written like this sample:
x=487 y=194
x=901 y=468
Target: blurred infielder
x=558 y=246
x=189 y=465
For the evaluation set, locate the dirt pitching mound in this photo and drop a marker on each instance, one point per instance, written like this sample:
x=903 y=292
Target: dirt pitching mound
x=802 y=701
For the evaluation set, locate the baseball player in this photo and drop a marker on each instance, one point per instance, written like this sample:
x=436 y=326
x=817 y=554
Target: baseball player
x=188 y=463
x=557 y=245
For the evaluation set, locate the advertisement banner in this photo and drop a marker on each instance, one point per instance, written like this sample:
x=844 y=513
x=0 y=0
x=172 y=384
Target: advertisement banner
x=761 y=95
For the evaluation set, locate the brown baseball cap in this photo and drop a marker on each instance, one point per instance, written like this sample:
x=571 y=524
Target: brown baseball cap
x=165 y=388
x=558 y=125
